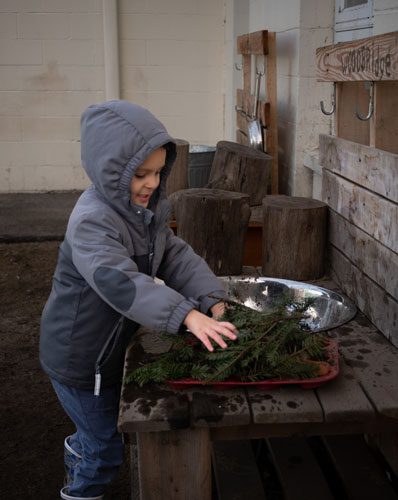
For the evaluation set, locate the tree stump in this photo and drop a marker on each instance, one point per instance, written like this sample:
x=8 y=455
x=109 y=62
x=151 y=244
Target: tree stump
x=214 y=223
x=242 y=169
x=178 y=178
x=294 y=237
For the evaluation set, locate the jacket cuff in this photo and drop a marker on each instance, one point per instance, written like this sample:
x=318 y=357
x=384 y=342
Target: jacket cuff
x=179 y=313
x=208 y=302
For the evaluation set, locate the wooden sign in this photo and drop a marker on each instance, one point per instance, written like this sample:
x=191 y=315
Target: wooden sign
x=371 y=59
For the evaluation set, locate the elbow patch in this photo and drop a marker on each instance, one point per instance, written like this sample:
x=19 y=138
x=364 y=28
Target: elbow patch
x=116 y=287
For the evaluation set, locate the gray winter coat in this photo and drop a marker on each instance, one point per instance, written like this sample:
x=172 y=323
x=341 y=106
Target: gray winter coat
x=103 y=285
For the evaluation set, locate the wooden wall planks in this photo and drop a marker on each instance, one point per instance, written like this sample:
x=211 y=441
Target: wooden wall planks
x=359 y=185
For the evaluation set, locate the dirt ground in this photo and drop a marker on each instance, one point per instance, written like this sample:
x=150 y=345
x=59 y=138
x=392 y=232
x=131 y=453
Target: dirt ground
x=32 y=422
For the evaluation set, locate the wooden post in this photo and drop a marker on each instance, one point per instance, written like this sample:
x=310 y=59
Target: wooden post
x=214 y=223
x=178 y=178
x=241 y=169
x=175 y=465
x=294 y=237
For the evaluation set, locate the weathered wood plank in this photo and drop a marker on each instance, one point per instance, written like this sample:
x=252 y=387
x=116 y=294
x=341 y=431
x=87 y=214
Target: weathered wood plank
x=361 y=474
x=371 y=257
x=219 y=408
x=384 y=122
x=298 y=470
x=284 y=405
x=372 y=58
x=371 y=168
x=152 y=408
x=374 y=362
x=371 y=299
x=343 y=399
x=253 y=43
x=350 y=97
x=375 y=215
x=236 y=472
x=175 y=465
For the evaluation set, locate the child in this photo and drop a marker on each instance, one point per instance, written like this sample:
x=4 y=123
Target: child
x=116 y=242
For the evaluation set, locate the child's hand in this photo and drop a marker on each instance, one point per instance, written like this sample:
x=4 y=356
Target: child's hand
x=205 y=328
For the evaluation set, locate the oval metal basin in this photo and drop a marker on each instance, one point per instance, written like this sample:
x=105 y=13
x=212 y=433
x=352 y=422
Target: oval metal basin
x=328 y=309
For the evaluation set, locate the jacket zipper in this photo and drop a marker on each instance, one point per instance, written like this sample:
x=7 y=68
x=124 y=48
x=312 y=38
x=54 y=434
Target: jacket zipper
x=98 y=363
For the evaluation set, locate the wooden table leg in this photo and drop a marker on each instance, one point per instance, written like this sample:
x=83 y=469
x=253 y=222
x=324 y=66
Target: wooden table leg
x=175 y=465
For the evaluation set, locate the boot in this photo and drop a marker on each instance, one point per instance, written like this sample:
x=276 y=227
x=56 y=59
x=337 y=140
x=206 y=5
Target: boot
x=71 y=459
x=65 y=496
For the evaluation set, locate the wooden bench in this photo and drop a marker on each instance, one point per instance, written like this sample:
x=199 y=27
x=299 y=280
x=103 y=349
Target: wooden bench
x=175 y=430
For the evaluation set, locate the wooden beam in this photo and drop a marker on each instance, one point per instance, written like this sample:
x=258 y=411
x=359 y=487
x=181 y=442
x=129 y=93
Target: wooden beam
x=374 y=58
x=255 y=43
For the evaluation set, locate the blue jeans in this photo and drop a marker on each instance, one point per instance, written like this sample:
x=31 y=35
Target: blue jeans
x=96 y=439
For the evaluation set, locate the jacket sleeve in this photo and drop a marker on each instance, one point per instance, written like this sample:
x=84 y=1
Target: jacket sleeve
x=103 y=260
x=185 y=271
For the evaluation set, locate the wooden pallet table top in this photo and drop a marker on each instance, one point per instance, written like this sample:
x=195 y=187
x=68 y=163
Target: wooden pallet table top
x=364 y=397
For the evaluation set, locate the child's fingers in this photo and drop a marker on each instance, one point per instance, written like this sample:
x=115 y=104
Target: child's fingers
x=227 y=329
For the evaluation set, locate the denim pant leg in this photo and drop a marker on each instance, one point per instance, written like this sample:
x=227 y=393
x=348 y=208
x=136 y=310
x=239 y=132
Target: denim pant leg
x=95 y=418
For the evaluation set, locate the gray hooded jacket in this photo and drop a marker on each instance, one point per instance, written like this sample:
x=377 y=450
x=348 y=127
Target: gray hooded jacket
x=103 y=285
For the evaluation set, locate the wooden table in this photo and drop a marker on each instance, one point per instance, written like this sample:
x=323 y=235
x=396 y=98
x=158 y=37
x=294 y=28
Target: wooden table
x=175 y=430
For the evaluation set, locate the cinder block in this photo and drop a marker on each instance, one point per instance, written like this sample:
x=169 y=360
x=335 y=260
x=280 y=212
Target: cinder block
x=59 y=5
x=43 y=26
x=170 y=27
x=185 y=53
x=210 y=7
x=310 y=40
x=172 y=79
x=16 y=52
x=69 y=103
x=86 y=26
x=132 y=6
x=42 y=178
x=173 y=6
x=8 y=25
x=287 y=49
x=133 y=53
x=315 y=14
x=70 y=52
x=10 y=128
x=51 y=128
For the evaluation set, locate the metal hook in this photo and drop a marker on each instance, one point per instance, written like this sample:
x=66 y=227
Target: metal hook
x=333 y=103
x=371 y=106
x=240 y=110
x=238 y=66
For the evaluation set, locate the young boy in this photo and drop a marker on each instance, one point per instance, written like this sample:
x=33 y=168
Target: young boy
x=116 y=242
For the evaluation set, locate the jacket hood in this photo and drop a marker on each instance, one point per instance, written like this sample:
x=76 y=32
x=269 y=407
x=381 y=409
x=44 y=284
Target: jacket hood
x=116 y=138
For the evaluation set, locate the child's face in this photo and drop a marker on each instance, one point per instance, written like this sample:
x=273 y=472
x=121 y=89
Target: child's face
x=147 y=177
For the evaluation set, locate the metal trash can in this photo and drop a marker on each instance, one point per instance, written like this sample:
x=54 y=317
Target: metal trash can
x=200 y=159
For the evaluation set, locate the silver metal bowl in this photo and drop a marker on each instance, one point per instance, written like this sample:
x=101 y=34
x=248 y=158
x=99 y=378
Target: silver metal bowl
x=327 y=310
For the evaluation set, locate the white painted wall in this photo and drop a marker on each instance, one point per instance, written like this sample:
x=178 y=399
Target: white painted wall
x=172 y=57
x=172 y=61
x=385 y=14
x=51 y=68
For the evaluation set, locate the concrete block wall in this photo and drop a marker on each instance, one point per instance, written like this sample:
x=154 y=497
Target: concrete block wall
x=172 y=62
x=51 y=68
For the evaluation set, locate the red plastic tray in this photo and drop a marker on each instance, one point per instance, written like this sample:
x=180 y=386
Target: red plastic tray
x=308 y=383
